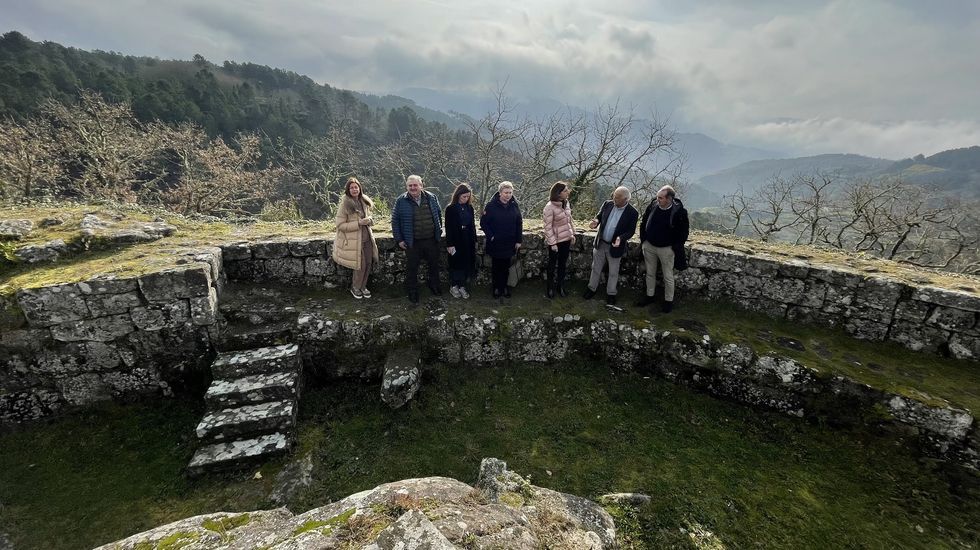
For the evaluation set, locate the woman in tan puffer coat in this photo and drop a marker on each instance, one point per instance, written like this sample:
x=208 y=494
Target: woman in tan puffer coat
x=559 y=234
x=354 y=246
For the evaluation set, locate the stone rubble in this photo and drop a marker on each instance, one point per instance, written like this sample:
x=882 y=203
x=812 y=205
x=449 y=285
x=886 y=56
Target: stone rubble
x=401 y=377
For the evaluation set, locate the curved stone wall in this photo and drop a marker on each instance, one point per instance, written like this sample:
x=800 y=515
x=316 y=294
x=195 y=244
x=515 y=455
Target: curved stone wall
x=71 y=344
x=867 y=305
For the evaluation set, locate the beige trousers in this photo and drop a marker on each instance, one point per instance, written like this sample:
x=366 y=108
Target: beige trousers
x=665 y=255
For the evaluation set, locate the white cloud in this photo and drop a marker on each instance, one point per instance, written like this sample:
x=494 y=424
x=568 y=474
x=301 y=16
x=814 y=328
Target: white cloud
x=901 y=75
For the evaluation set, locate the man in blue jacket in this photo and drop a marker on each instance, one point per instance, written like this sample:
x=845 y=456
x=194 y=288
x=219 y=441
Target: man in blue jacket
x=416 y=222
x=616 y=221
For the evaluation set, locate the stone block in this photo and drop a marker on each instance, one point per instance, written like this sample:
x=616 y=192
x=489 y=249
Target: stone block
x=912 y=310
x=835 y=275
x=100 y=356
x=245 y=270
x=916 y=337
x=692 y=279
x=267 y=250
x=51 y=305
x=110 y=304
x=796 y=269
x=958 y=299
x=158 y=316
x=95 y=287
x=866 y=329
x=953 y=319
x=964 y=346
x=15 y=229
x=234 y=252
x=284 y=269
x=58 y=363
x=50 y=251
x=401 y=378
x=83 y=389
x=204 y=309
x=947 y=422
x=761 y=266
x=302 y=248
x=879 y=293
x=101 y=329
x=136 y=381
x=717 y=259
x=173 y=284
x=788 y=291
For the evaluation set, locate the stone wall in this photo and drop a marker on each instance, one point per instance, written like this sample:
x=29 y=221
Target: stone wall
x=336 y=346
x=76 y=343
x=870 y=306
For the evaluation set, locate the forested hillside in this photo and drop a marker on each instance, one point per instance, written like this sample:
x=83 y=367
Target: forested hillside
x=301 y=138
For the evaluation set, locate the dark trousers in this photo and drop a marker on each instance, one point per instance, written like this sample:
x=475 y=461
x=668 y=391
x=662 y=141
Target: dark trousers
x=422 y=250
x=499 y=270
x=458 y=277
x=557 y=262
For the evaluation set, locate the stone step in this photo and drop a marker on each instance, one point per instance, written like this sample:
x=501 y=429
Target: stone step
x=235 y=422
x=270 y=359
x=235 y=337
x=238 y=452
x=252 y=389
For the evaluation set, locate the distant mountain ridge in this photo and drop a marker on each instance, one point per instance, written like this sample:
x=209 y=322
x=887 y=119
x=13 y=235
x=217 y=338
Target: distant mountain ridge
x=955 y=171
x=704 y=153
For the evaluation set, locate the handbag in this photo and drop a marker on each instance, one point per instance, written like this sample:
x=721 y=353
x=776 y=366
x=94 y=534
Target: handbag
x=516 y=271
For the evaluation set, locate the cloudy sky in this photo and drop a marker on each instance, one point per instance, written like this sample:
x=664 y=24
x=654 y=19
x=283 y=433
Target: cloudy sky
x=890 y=79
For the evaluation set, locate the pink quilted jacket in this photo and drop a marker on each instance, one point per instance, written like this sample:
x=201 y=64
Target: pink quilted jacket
x=557 y=223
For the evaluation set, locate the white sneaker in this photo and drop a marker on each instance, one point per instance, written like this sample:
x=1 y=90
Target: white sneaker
x=356 y=293
x=366 y=293
x=462 y=292
x=454 y=291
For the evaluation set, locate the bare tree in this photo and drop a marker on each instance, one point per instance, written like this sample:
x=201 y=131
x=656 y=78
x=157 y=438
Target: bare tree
x=492 y=134
x=28 y=161
x=110 y=154
x=322 y=163
x=213 y=177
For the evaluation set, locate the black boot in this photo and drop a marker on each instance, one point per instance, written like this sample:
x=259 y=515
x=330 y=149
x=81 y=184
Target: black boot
x=561 y=291
x=550 y=293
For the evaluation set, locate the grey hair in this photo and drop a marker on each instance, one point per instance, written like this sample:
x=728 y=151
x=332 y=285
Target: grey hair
x=623 y=192
x=414 y=177
x=505 y=185
x=669 y=190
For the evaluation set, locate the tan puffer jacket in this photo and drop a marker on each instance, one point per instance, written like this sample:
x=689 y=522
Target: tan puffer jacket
x=557 y=223
x=347 y=244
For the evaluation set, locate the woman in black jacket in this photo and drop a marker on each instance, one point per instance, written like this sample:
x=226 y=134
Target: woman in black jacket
x=503 y=225
x=461 y=240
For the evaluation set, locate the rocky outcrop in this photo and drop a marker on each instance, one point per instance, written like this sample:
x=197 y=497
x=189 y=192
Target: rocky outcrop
x=15 y=229
x=426 y=513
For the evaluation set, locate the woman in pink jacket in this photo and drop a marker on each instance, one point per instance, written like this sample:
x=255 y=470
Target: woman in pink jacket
x=559 y=234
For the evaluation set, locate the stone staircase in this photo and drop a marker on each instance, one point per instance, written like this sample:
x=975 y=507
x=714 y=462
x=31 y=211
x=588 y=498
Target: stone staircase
x=252 y=405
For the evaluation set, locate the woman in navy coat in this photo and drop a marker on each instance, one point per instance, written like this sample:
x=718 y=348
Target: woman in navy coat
x=503 y=225
x=461 y=240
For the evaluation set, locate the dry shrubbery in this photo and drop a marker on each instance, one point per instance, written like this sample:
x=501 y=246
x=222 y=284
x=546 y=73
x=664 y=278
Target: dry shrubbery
x=95 y=150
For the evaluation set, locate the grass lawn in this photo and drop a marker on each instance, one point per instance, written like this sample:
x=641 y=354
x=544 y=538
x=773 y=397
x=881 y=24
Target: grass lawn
x=749 y=478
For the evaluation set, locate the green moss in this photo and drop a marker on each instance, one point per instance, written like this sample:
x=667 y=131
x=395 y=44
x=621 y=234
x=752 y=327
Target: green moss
x=328 y=524
x=514 y=500
x=175 y=541
x=226 y=523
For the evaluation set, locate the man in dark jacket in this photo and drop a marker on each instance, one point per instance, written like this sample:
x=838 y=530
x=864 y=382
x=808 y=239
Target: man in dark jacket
x=663 y=232
x=416 y=222
x=616 y=221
